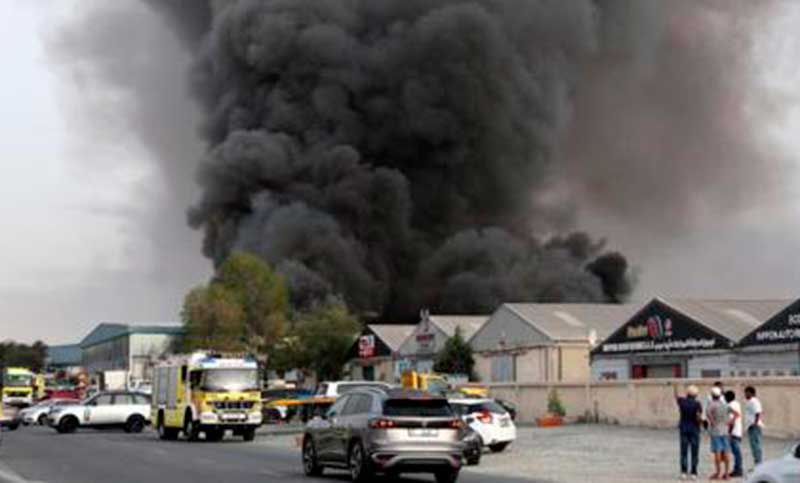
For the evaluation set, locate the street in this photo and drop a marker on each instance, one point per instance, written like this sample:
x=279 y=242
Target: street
x=40 y=454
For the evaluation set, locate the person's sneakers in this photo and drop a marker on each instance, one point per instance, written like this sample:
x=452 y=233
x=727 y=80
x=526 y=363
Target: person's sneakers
x=736 y=474
x=694 y=477
x=684 y=476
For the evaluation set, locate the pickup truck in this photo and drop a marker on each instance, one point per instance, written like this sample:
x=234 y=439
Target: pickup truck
x=127 y=410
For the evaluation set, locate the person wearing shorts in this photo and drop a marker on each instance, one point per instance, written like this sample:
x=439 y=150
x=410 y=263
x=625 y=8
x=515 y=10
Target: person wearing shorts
x=718 y=419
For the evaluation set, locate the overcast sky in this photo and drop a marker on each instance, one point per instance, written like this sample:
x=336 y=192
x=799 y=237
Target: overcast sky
x=88 y=237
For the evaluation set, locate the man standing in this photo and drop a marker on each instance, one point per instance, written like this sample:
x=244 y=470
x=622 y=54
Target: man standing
x=754 y=421
x=735 y=432
x=717 y=415
x=691 y=414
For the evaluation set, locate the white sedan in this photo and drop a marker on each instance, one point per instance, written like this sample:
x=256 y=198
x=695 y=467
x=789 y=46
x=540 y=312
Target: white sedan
x=37 y=414
x=782 y=470
x=128 y=410
x=489 y=420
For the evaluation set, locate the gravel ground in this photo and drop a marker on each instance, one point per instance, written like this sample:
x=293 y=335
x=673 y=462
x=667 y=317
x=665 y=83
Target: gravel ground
x=588 y=453
x=602 y=454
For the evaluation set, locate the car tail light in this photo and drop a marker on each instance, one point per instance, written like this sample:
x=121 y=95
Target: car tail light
x=485 y=417
x=382 y=424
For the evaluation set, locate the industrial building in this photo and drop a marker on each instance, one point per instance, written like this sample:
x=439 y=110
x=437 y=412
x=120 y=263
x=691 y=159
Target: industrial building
x=772 y=349
x=685 y=338
x=129 y=348
x=374 y=355
x=533 y=343
x=419 y=350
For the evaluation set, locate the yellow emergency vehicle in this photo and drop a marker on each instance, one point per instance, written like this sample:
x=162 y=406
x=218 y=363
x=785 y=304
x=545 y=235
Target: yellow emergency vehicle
x=18 y=386
x=206 y=393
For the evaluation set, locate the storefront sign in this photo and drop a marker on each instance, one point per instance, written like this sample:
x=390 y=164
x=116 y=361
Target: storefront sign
x=366 y=346
x=658 y=328
x=783 y=328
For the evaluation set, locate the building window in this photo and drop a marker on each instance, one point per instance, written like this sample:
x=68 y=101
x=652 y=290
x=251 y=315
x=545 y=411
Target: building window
x=608 y=376
x=742 y=373
x=766 y=373
x=503 y=368
x=711 y=373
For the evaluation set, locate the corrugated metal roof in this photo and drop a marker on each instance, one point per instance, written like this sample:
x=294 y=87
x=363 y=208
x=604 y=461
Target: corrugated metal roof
x=733 y=319
x=105 y=332
x=392 y=335
x=469 y=324
x=64 y=355
x=562 y=322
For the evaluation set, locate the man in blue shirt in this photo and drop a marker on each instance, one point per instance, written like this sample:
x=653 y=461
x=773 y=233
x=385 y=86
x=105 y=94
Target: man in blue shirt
x=691 y=417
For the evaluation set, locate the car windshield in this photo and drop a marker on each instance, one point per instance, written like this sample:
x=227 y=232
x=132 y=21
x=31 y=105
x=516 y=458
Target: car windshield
x=417 y=407
x=17 y=380
x=230 y=380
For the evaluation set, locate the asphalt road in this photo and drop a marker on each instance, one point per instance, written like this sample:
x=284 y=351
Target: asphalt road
x=36 y=454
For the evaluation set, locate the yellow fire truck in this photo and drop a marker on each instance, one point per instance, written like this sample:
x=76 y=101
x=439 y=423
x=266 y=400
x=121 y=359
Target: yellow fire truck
x=206 y=393
x=18 y=386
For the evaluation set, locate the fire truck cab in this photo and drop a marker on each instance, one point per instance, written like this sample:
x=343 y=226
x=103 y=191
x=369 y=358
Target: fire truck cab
x=206 y=393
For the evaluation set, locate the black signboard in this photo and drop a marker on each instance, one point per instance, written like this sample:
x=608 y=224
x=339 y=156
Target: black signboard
x=658 y=328
x=781 y=328
x=368 y=345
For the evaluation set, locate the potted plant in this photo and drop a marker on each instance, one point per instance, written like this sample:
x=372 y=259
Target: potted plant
x=555 y=412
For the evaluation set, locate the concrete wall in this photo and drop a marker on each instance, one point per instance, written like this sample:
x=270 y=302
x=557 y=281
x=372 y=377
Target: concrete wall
x=567 y=362
x=650 y=403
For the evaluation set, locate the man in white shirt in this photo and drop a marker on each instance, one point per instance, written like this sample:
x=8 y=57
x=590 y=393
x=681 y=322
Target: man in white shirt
x=735 y=432
x=754 y=422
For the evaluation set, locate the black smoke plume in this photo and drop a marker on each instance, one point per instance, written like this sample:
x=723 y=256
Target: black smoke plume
x=393 y=152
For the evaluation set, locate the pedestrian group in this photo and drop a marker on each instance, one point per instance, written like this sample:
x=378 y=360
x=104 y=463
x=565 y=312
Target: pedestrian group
x=726 y=424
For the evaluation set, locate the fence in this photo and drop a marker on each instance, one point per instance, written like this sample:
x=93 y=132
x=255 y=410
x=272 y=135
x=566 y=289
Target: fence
x=650 y=403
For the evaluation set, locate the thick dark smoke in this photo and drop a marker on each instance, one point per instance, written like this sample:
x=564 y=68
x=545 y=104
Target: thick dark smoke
x=392 y=152
x=671 y=115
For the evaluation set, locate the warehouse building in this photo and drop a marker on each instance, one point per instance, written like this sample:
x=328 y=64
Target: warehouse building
x=418 y=352
x=533 y=343
x=64 y=358
x=772 y=349
x=374 y=355
x=682 y=338
x=130 y=348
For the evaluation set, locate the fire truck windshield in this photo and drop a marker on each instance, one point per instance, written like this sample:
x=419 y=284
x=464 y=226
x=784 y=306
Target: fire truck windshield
x=17 y=380
x=230 y=380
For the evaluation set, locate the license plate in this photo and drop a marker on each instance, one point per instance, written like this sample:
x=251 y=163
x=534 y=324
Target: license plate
x=233 y=417
x=423 y=433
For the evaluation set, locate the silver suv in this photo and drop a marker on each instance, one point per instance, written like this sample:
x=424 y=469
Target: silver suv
x=370 y=431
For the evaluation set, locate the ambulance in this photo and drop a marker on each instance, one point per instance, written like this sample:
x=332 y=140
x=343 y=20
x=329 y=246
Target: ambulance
x=206 y=393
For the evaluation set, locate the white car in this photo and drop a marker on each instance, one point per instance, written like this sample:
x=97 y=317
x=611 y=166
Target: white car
x=489 y=420
x=128 y=410
x=783 y=470
x=337 y=388
x=37 y=414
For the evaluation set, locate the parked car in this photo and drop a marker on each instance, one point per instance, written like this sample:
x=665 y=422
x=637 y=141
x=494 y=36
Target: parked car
x=37 y=414
x=489 y=420
x=279 y=403
x=371 y=430
x=781 y=470
x=128 y=410
x=337 y=388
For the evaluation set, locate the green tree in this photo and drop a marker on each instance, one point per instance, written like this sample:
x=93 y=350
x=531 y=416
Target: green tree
x=212 y=319
x=14 y=354
x=261 y=293
x=323 y=338
x=456 y=357
x=244 y=308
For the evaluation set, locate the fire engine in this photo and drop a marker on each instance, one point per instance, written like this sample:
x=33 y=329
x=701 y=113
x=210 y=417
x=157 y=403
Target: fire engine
x=206 y=393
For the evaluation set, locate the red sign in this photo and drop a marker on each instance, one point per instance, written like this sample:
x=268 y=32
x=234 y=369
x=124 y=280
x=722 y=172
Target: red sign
x=366 y=346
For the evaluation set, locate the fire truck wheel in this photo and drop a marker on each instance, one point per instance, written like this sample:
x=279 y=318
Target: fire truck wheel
x=190 y=429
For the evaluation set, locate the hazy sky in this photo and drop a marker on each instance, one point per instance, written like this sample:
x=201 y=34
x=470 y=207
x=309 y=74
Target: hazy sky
x=88 y=236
